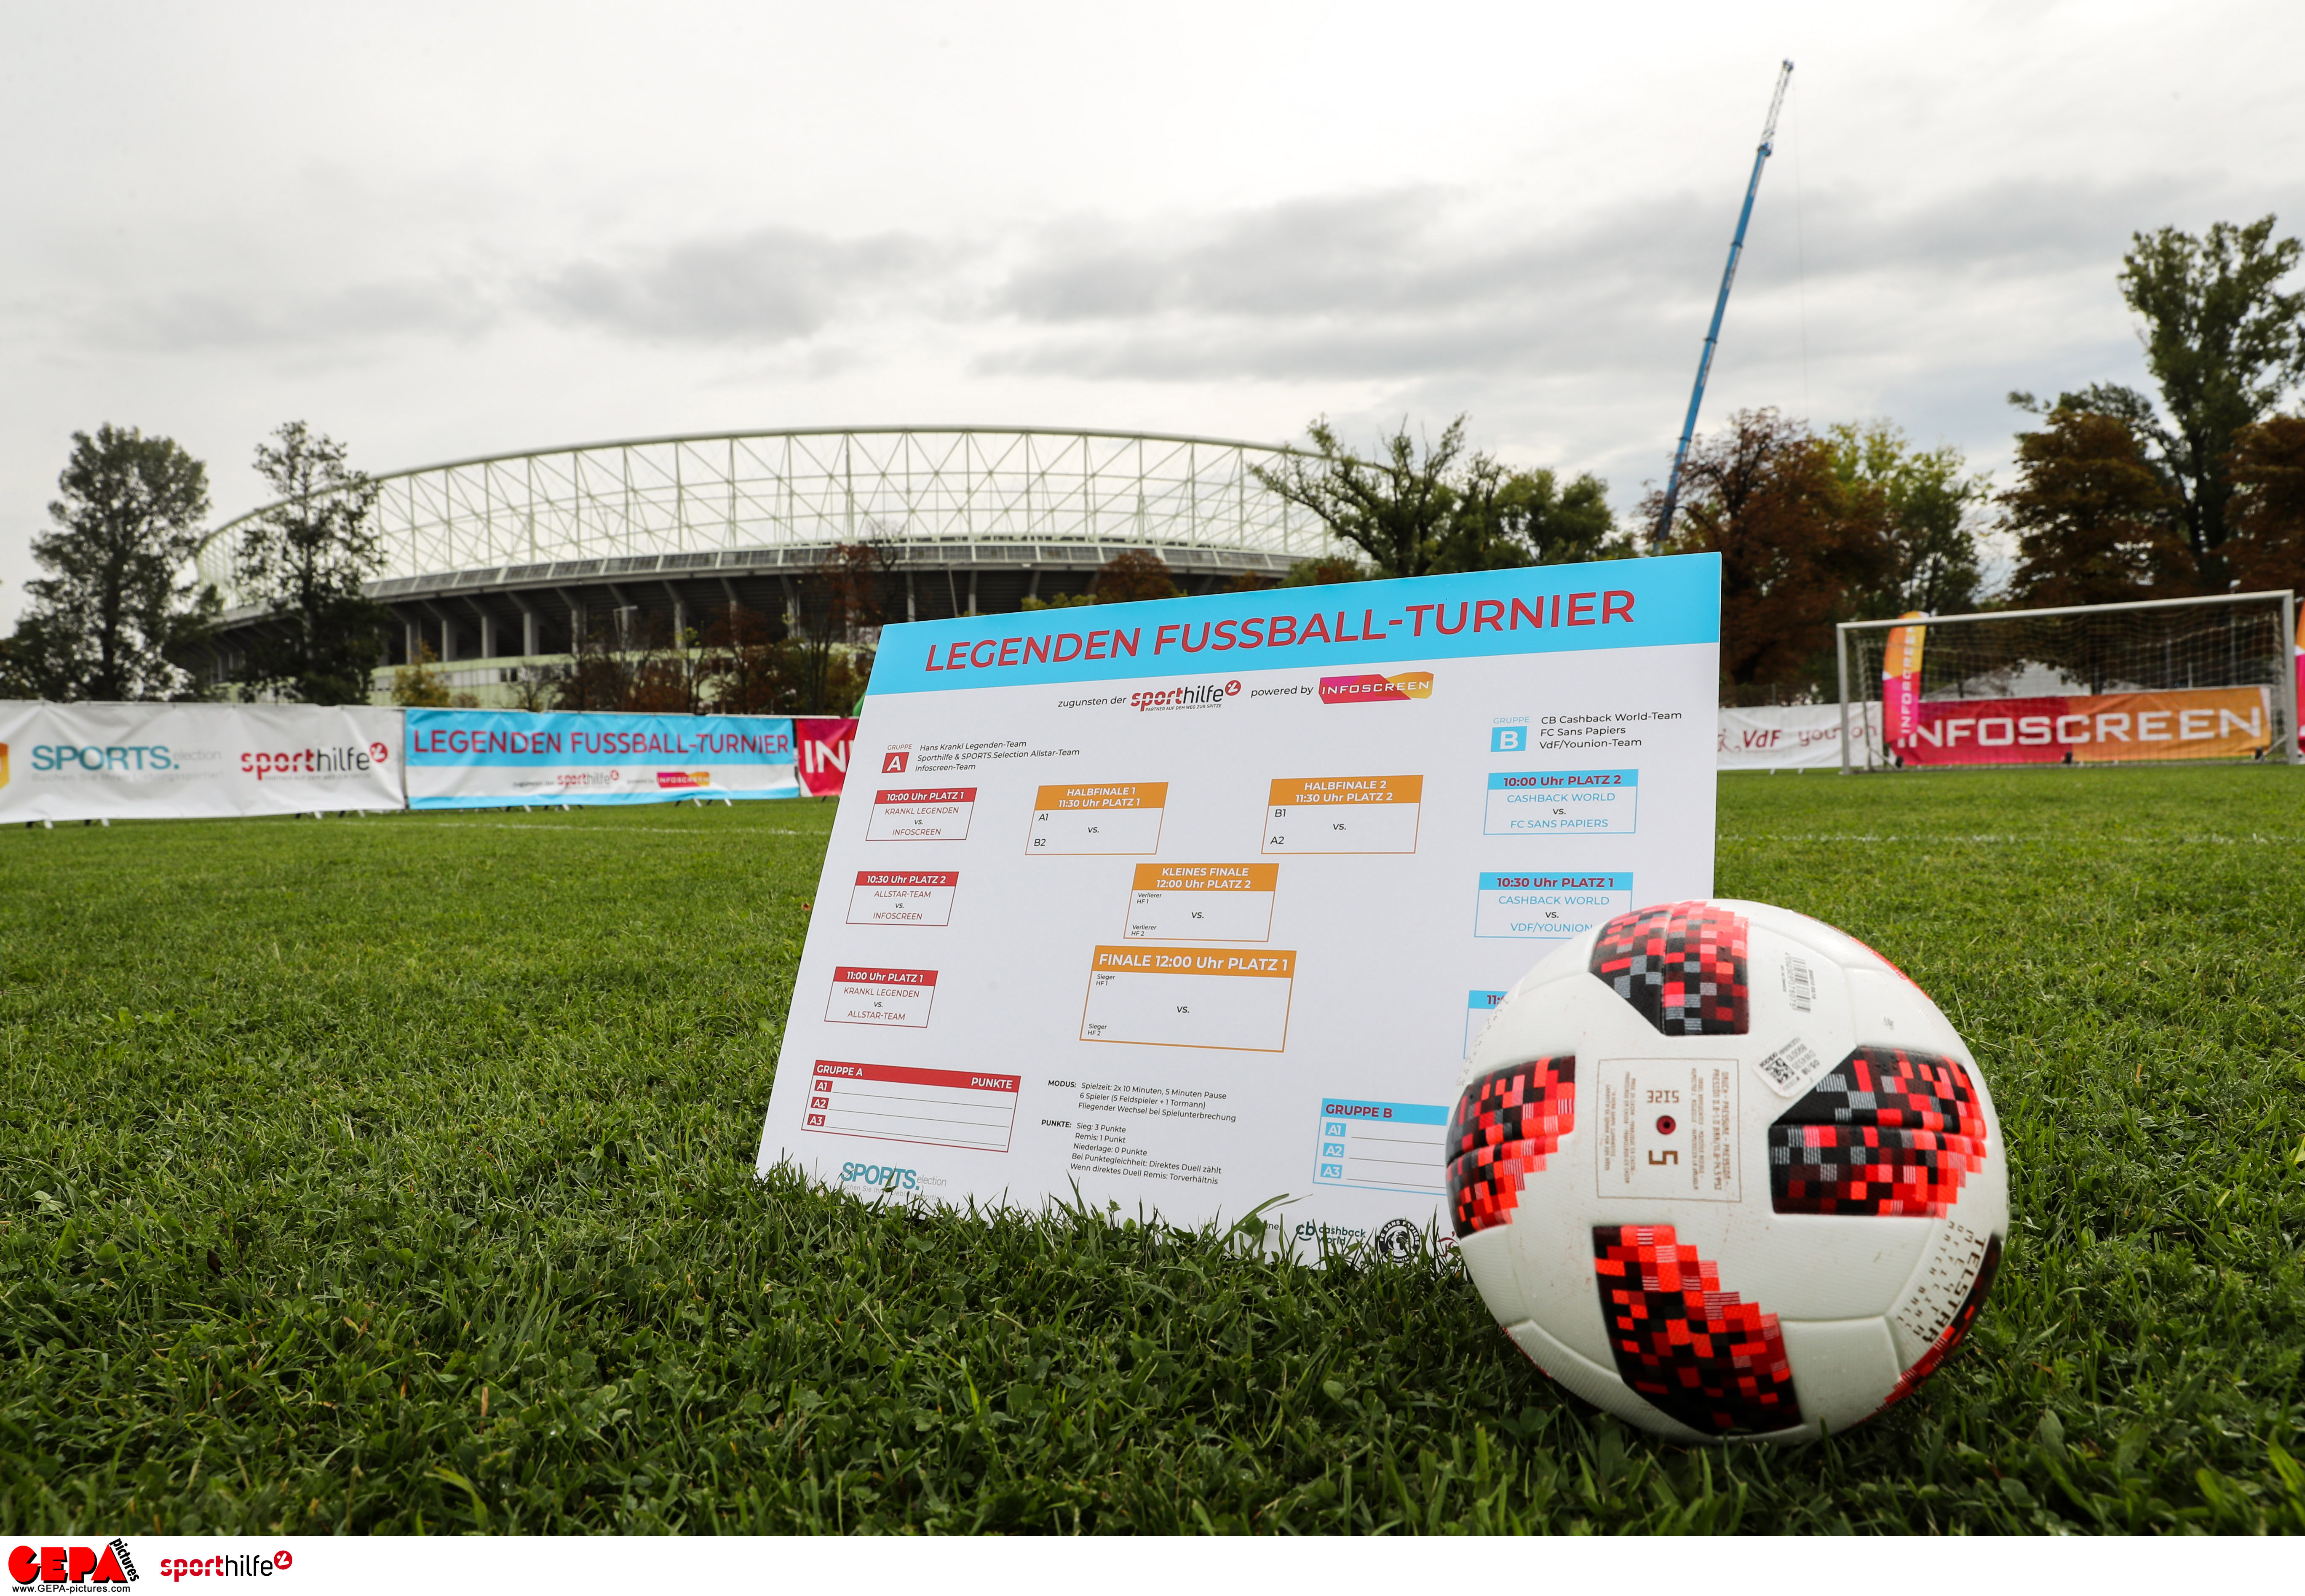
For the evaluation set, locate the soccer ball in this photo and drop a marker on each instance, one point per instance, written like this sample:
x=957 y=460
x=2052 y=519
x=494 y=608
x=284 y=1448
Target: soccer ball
x=1724 y=1171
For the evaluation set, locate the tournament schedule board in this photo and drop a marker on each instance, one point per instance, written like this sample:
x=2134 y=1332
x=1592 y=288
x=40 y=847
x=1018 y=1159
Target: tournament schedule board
x=1194 y=905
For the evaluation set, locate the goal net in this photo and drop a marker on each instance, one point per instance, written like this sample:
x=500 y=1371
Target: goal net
x=2163 y=680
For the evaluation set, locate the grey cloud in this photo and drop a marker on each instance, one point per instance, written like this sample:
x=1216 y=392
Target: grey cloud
x=770 y=285
x=271 y=319
x=1409 y=284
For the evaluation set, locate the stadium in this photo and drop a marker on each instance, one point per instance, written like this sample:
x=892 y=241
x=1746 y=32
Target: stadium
x=500 y=562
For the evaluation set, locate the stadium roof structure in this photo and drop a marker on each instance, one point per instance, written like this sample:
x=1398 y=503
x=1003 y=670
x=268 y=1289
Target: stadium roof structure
x=973 y=519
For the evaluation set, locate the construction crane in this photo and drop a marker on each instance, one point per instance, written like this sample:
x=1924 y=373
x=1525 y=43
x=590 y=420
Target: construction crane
x=1721 y=307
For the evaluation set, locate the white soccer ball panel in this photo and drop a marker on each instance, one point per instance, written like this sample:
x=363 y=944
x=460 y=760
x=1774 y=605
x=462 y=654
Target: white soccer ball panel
x=1488 y=1258
x=1598 y=1383
x=1844 y=1367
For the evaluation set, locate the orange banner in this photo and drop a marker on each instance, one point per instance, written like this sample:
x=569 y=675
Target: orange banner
x=1350 y=789
x=1278 y=964
x=1206 y=878
x=1116 y=794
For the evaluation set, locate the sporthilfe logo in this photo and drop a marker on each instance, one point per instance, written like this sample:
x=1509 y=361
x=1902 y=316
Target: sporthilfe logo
x=1199 y=695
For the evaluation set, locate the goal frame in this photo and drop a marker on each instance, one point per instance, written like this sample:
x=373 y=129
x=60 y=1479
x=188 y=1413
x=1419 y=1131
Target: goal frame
x=2284 y=693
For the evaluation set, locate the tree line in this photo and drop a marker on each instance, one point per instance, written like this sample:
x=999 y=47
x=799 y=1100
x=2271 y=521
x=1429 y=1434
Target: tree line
x=2115 y=495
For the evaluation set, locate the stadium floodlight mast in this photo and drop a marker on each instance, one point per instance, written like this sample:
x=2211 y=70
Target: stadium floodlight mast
x=2147 y=645
x=703 y=493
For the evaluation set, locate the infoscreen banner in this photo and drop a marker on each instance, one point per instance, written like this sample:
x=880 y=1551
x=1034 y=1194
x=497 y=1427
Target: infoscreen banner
x=824 y=742
x=1199 y=903
x=194 y=762
x=482 y=758
x=2195 y=722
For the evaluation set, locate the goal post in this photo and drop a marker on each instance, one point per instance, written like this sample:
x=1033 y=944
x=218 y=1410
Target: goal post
x=2155 y=681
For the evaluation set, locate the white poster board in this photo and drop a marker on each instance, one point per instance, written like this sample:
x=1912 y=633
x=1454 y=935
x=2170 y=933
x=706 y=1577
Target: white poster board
x=194 y=762
x=1193 y=904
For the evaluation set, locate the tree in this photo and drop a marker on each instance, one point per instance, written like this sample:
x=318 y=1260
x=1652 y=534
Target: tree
x=1799 y=548
x=1396 y=512
x=2094 y=517
x=1134 y=576
x=1927 y=496
x=1326 y=570
x=307 y=560
x=116 y=613
x=2266 y=548
x=2224 y=343
x=842 y=603
x=416 y=685
x=1426 y=507
x=1503 y=518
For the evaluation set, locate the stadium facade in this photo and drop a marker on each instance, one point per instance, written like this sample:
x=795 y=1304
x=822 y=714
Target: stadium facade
x=498 y=565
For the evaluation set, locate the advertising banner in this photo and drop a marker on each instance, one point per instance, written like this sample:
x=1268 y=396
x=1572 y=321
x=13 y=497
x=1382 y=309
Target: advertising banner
x=489 y=759
x=1178 y=903
x=1796 y=736
x=824 y=741
x=194 y=762
x=1900 y=678
x=2195 y=722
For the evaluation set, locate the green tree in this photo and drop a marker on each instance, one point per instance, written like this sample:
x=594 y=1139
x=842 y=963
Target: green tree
x=2094 y=515
x=2223 y=342
x=1396 y=511
x=1133 y=576
x=1425 y=507
x=116 y=613
x=1799 y=548
x=1928 y=497
x=307 y=559
x=2266 y=548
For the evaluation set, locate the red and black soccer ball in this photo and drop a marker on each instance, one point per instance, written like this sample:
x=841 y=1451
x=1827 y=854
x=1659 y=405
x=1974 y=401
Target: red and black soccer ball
x=1724 y=1171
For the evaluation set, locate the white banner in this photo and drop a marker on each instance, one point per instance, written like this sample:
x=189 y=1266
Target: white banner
x=194 y=762
x=1197 y=903
x=1796 y=736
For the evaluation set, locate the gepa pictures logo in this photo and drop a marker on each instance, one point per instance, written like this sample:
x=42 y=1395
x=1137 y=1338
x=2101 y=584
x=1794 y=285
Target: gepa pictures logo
x=71 y=1567
x=887 y=1177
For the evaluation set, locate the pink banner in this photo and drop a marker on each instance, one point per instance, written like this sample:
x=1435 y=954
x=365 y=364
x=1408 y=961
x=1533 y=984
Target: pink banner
x=2202 y=723
x=823 y=743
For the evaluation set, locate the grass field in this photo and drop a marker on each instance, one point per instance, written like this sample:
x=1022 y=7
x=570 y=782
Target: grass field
x=396 y=1173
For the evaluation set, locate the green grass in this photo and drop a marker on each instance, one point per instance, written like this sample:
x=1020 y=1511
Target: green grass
x=396 y=1174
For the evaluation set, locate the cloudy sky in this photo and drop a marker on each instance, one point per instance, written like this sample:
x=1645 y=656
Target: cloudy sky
x=438 y=231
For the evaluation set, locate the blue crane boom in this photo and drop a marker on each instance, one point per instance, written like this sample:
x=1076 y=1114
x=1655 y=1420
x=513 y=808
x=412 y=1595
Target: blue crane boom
x=1721 y=306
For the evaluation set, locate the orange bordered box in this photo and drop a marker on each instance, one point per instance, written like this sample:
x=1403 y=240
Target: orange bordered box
x=1343 y=814
x=1229 y=998
x=1220 y=902
x=1109 y=817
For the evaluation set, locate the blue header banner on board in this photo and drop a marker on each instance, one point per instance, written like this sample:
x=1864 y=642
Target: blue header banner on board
x=487 y=759
x=1539 y=609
